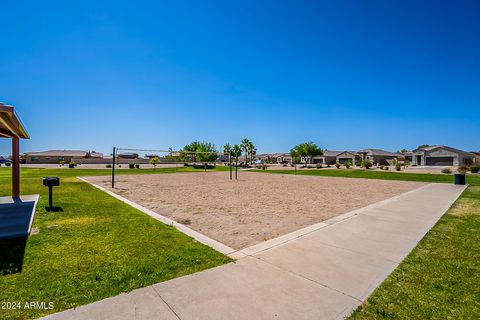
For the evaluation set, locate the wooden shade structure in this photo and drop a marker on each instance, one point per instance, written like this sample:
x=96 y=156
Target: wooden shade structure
x=12 y=127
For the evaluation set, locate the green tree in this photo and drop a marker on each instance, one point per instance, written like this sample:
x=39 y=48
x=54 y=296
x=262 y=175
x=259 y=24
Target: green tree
x=154 y=161
x=403 y=151
x=305 y=151
x=366 y=164
x=200 y=151
x=423 y=146
x=295 y=156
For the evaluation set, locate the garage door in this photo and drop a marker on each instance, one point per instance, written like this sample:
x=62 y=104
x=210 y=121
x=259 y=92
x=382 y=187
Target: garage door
x=440 y=161
x=344 y=160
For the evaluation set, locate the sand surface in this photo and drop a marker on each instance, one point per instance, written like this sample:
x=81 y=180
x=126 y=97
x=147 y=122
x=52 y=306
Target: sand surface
x=255 y=208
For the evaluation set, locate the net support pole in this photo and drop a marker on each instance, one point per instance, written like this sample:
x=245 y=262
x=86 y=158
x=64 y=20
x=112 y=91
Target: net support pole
x=113 y=167
x=230 y=164
x=236 y=168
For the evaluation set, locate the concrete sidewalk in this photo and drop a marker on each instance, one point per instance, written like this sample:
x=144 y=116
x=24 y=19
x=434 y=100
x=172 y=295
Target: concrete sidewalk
x=324 y=273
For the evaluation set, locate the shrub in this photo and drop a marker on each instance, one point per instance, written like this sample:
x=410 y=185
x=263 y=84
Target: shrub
x=8 y=164
x=337 y=165
x=137 y=166
x=319 y=166
x=108 y=165
x=387 y=168
x=473 y=168
x=328 y=166
x=381 y=167
x=72 y=164
x=366 y=164
x=462 y=169
x=264 y=167
x=348 y=165
x=446 y=171
x=203 y=166
x=131 y=165
x=398 y=167
x=62 y=163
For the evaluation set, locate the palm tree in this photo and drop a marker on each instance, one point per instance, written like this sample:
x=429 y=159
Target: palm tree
x=236 y=152
x=245 y=146
x=227 y=149
x=253 y=152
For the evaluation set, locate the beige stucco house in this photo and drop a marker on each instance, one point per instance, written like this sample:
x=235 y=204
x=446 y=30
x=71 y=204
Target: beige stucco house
x=441 y=156
x=378 y=156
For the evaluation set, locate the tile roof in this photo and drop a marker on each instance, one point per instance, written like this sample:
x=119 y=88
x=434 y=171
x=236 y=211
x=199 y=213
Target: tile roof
x=431 y=148
x=378 y=152
x=57 y=153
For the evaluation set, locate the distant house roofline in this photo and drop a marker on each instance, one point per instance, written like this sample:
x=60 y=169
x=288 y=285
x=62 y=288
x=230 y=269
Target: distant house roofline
x=378 y=152
x=435 y=147
x=60 y=153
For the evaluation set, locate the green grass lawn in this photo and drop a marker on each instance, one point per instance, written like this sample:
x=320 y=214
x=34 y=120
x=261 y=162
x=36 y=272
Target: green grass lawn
x=440 y=278
x=472 y=179
x=96 y=248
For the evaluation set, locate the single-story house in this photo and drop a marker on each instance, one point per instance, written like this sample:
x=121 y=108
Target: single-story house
x=477 y=157
x=332 y=157
x=95 y=155
x=408 y=156
x=127 y=155
x=328 y=157
x=347 y=156
x=55 y=156
x=282 y=157
x=442 y=156
x=378 y=156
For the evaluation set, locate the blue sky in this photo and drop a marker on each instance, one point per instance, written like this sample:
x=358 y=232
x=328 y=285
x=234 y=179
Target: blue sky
x=151 y=74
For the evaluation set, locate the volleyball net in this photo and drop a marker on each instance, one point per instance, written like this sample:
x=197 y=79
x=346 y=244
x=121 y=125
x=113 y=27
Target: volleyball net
x=164 y=158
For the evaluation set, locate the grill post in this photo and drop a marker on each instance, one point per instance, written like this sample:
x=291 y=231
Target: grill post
x=51 y=182
x=50 y=196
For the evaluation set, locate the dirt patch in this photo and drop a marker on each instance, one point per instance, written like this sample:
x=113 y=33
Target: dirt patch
x=255 y=208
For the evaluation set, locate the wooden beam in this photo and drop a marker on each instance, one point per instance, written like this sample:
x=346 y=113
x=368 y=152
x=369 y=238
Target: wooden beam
x=5 y=122
x=15 y=167
x=5 y=133
x=11 y=122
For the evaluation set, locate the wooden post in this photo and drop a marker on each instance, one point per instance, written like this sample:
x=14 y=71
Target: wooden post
x=15 y=167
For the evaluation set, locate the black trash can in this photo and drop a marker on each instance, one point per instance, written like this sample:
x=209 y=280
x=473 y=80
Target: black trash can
x=460 y=178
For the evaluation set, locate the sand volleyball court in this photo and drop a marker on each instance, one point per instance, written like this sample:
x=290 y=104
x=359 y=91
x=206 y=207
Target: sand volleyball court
x=254 y=208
